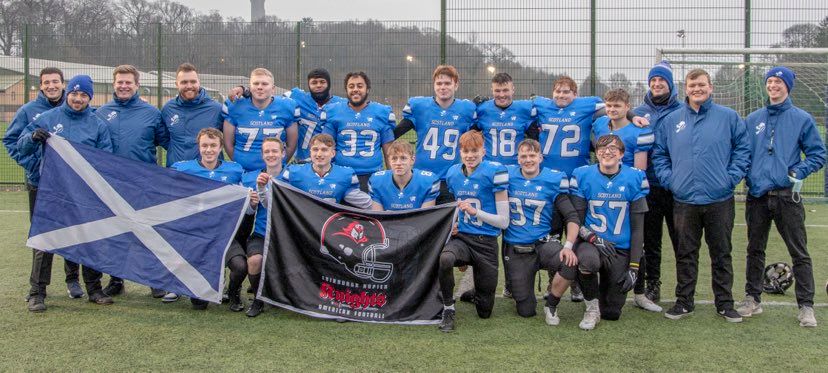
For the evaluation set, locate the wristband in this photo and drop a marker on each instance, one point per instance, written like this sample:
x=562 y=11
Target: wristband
x=567 y=245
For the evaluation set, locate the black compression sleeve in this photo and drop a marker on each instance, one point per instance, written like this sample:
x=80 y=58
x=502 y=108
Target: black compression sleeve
x=564 y=205
x=636 y=236
x=580 y=207
x=403 y=127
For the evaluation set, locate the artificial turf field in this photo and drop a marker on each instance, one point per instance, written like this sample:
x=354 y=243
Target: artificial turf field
x=139 y=333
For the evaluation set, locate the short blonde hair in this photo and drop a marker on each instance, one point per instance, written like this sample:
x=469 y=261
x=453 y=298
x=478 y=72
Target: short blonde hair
x=261 y=71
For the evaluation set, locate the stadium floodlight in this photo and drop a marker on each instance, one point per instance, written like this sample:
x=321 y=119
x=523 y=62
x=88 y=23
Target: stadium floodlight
x=491 y=69
x=408 y=60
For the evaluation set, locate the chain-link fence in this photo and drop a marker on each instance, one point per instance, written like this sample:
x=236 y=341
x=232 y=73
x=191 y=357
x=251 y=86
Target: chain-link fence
x=600 y=43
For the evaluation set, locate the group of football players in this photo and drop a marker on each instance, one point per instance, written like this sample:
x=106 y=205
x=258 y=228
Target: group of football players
x=518 y=169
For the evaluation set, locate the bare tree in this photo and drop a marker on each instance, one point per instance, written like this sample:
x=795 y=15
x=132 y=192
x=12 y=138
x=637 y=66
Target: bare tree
x=135 y=16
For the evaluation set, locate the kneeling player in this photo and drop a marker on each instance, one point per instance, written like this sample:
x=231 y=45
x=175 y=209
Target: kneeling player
x=273 y=152
x=480 y=189
x=613 y=231
x=535 y=193
x=402 y=187
x=210 y=143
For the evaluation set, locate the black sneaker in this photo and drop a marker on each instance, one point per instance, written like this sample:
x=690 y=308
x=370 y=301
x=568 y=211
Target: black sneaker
x=575 y=294
x=653 y=291
x=198 y=304
x=100 y=298
x=157 y=293
x=74 y=289
x=467 y=297
x=730 y=315
x=255 y=308
x=236 y=303
x=36 y=303
x=114 y=288
x=677 y=312
x=447 y=323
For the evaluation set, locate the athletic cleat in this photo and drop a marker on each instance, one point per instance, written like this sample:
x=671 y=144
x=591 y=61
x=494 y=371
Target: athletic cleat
x=36 y=303
x=730 y=315
x=468 y=296
x=806 y=317
x=653 y=291
x=749 y=307
x=74 y=289
x=592 y=315
x=170 y=297
x=447 y=323
x=507 y=293
x=100 y=298
x=236 y=303
x=255 y=308
x=157 y=293
x=575 y=294
x=677 y=312
x=114 y=288
x=641 y=301
x=551 y=315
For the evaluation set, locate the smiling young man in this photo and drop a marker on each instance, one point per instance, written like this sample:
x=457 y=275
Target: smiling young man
x=210 y=143
x=439 y=121
x=402 y=187
x=637 y=140
x=612 y=232
x=361 y=129
x=75 y=121
x=701 y=153
x=251 y=120
x=480 y=188
x=504 y=121
x=186 y=114
x=780 y=134
x=50 y=96
x=136 y=129
x=535 y=194
x=311 y=103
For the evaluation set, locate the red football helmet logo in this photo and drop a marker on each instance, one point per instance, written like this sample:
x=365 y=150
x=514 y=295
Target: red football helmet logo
x=353 y=241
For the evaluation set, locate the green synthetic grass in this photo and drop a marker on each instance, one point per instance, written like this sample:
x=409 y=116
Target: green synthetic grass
x=10 y=172
x=139 y=333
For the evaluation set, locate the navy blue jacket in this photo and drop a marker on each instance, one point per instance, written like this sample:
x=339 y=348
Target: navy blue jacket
x=789 y=131
x=135 y=127
x=655 y=114
x=25 y=115
x=82 y=127
x=183 y=119
x=701 y=156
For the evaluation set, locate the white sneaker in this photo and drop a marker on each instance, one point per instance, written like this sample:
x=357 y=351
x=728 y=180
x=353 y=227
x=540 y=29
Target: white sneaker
x=807 y=317
x=592 y=315
x=170 y=297
x=466 y=283
x=551 y=316
x=749 y=307
x=641 y=301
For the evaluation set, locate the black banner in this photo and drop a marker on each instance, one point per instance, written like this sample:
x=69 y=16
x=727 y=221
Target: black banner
x=335 y=262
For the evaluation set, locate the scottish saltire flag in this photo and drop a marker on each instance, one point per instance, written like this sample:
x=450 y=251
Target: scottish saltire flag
x=148 y=224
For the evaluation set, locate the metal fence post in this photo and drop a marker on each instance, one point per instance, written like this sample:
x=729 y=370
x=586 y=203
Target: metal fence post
x=593 y=69
x=443 y=32
x=26 y=81
x=159 y=81
x=299 y=53
x=747 y=69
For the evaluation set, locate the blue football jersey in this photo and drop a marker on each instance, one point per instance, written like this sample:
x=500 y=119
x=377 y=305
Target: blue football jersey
x=564 y=131
x=423 y=187
x=332 y=187
x=359 y=135
x=608 y=200
x=532 y=202
x=308 y=120
x=254 y=125
x=503 y=129
x=438 y=131
x=249 y=180
x=479 y=190
x=227 y=171
x=635 y=139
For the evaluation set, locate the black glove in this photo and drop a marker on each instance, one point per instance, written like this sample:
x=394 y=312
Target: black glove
x=605 y=248
x=480 y=99
x=627 y=282
x=40 y=135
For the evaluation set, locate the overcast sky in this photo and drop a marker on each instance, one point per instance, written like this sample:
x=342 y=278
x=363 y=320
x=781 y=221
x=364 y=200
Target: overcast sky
x=326 y=10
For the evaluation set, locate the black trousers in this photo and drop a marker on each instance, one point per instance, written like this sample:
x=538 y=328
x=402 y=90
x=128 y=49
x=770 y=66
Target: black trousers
x=520 y=269
x=660 y=202
x=610 y=271
x=789 y=218
x=715 y=220
x=41 y=274
x=480 y=252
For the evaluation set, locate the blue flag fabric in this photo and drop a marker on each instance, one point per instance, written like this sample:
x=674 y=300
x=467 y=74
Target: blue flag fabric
x=148 y=224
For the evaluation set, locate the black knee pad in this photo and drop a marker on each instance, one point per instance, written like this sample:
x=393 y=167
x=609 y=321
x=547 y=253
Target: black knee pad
x=526 y=308
x=568 y=273
x=611 y=315
x=238 y=264
x=447 y=260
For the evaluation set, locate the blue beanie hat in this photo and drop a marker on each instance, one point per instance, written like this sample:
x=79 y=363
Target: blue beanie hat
x=80 y=83
x=664 y=71
x=787 y=75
